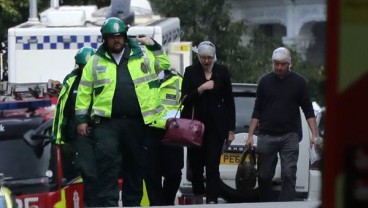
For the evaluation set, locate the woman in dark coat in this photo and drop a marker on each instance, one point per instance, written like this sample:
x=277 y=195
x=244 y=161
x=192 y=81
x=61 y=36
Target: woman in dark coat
x=207 y=90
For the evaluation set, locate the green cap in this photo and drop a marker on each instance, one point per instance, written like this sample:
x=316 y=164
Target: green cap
x=113 y=26
x=84 y=54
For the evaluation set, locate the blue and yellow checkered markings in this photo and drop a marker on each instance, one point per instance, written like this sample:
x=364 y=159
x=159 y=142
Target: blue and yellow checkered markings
x=57 y=42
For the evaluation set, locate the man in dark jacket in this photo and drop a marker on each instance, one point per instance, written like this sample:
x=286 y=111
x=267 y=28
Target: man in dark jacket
x=276 y=113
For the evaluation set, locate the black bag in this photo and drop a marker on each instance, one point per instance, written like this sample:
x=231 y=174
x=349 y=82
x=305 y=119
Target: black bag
x=246 y=174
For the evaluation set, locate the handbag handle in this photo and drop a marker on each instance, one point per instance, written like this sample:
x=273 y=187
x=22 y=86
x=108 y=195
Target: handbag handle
x=246 y=152
x=181 y=104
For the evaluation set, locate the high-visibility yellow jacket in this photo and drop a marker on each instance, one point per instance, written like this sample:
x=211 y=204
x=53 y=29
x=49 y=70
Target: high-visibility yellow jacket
x=6 y=193
x=98 y=82
x=60 y=121
x=170 y=93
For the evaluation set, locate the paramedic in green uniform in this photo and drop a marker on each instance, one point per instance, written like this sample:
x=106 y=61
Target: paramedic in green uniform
x=77 y=150
x=121 y=84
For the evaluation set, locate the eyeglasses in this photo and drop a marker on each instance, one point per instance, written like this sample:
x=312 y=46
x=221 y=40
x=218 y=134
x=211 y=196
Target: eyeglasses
x=210 y=58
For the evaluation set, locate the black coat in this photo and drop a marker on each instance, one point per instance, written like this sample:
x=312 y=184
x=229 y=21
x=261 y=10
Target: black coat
x=214 y=106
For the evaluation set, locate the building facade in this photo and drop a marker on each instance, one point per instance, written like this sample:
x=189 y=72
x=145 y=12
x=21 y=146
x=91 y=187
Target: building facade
x=301 y=24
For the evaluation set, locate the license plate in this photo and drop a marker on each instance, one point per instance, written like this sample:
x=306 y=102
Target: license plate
x=230 y=158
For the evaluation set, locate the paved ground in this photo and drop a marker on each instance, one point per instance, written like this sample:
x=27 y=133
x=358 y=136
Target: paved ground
x=301 y=204
x=296 y=204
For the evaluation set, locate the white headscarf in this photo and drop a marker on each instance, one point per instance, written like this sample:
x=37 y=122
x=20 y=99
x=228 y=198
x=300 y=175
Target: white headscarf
x=207 y=48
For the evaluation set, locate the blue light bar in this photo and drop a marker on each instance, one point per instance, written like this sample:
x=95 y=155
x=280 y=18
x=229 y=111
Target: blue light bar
x=19 y=104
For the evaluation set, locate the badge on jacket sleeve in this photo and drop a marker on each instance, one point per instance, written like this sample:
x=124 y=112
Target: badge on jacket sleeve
x=144 y=67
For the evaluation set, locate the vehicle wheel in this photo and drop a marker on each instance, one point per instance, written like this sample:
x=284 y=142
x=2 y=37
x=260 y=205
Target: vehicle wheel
x=232 y=195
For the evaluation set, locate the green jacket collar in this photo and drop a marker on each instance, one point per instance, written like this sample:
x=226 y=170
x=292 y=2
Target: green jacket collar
x=74 y=73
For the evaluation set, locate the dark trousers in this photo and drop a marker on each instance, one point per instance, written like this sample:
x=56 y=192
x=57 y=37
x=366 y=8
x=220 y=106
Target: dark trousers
x=78 y=158
x=164 y=164
x=117 y=140
x=68 y=157
x=85 y=163
x=207 y=156
x=268 y=146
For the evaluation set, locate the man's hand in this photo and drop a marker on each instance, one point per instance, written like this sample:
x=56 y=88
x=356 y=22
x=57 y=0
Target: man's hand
x=250 y=142
x=145 y=40
x=316 y=141
x=83 y=129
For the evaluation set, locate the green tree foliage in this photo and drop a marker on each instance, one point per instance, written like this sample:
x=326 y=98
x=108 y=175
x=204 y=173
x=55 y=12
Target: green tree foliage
x=257 y=57
x=98 y=3
x=8 y=6
x=13 y=12
x=208 y=20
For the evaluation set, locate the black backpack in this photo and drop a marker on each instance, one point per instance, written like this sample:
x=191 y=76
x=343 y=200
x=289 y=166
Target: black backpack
x=246 y=174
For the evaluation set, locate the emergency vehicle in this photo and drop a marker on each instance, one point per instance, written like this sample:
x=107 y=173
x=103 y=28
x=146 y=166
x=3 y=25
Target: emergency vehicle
x=43 y=49
x=30 y=164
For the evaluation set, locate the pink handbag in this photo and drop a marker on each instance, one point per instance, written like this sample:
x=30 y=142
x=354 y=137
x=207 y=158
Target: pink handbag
x=183 y=132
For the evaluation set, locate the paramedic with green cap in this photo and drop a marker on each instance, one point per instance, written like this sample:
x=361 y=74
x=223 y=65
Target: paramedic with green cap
x=77 y=150
x=121 y=84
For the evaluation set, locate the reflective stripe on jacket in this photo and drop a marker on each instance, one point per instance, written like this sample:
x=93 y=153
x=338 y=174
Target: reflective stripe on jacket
x=6 y=193
x=59 y=120
x=170 y=93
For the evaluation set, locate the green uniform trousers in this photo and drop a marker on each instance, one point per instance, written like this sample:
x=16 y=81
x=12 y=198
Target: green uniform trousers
x=78 y=158
x=85 y=163
x=120 y=151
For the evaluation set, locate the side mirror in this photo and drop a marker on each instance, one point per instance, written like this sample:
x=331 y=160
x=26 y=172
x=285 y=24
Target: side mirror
x=34 y=139
x=37 y=138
